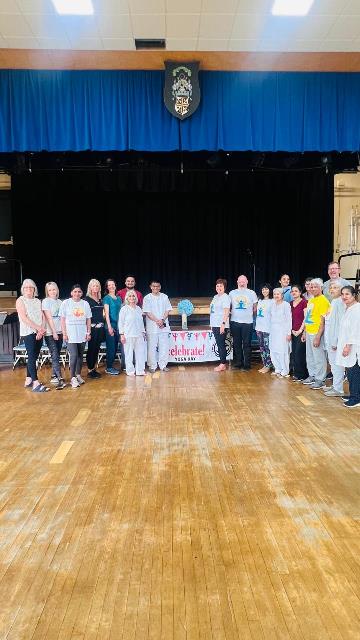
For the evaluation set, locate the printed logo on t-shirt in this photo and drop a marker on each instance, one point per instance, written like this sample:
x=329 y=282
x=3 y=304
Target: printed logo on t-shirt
x=260 y=311
x=78 y=312
x=241 y=303
x=308 y=316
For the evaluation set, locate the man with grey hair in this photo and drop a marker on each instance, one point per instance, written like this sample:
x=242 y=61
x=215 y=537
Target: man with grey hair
x=334 y=274
x=317 y=307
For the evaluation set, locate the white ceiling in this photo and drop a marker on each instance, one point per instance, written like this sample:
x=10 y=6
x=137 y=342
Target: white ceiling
x=187 y=25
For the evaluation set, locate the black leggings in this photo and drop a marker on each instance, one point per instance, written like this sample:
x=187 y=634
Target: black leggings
x=33 y=347
x=220 y=341
x=97 y=337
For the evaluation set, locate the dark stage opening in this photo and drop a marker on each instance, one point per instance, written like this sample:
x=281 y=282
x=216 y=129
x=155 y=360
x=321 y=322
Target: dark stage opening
x=184 y=219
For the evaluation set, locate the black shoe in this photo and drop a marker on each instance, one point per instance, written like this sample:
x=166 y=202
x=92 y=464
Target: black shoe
x=345 y=398
x=350 y=404
x=329 y=376
x=94 y=375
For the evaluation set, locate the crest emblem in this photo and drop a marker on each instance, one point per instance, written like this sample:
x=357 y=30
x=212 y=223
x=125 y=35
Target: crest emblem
x=182 y=90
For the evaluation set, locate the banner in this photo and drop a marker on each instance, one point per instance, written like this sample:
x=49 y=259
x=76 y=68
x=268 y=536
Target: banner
x=196 y=346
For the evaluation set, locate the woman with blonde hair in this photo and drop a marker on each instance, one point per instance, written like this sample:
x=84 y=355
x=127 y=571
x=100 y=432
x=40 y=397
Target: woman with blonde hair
x=93 y=297
x=132 y=332
x=53 y=336
x=32 y=330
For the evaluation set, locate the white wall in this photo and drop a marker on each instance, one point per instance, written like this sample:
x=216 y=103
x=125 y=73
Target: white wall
x=347 y=195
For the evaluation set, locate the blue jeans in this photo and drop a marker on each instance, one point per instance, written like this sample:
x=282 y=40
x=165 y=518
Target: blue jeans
x=54 y=347
x=111 y=346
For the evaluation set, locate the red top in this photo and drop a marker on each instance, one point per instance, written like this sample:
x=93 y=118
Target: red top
x=122 y=294
x=298 y=314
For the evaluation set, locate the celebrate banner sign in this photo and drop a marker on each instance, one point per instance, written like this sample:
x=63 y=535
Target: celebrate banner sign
x=195 y=346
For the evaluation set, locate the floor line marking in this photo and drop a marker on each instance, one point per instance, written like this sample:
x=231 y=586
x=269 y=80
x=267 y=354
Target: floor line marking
x=60 y=455
x=80 y=418
x=305 y=401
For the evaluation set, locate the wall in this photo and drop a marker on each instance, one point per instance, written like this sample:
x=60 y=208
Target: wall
x=347 y=195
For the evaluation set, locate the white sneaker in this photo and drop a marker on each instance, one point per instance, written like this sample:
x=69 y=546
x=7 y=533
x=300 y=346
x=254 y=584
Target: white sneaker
x=54 y=380
x=74 y=383
x=80 y=380
x=131 y=374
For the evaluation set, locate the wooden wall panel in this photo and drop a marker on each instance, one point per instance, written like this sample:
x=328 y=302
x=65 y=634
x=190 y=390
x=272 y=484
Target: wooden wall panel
x=209 y=60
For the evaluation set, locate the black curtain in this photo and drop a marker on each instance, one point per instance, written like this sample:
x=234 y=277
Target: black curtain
x=184 y=229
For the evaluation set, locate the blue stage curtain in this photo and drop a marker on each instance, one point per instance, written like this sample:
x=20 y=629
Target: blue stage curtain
x=122 y=110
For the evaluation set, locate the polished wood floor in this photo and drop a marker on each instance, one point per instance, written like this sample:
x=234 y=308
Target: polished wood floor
x=187 y=505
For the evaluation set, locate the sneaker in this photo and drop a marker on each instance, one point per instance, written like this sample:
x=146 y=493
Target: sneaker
x=309 y=380
x=295 y=379
x=325 y=389
x=94 y=375
x=152 y=370
x=318 y=384
x=112 y=371
x=285 y=375
x=329 y=376
x=165 y=369
x=141 y=373
x=80 y=379
x=351 y=403
x=74 y=383
x=132 y=374
x=345 y=398
x=61 y=385
x=54 y=380
x=332 y=393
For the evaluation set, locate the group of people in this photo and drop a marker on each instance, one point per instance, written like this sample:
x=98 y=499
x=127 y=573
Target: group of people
x=302 y=329
x=117 y=318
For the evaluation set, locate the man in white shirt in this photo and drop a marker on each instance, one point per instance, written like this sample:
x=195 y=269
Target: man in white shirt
x=243 y=309
x=156 y=307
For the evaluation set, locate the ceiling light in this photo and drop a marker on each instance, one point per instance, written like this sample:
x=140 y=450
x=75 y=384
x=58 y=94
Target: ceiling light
x=74 y=7
x=291 y=7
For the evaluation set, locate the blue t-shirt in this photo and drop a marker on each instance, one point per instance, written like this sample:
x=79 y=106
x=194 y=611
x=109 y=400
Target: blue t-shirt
x=114 y=309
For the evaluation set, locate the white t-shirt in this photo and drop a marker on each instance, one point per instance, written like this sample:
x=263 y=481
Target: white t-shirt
x=158 y=306
x=131 y=322
x=242 y=301
x=52 y=305
x=218 y=304
x=75 y=314
x=263 y=315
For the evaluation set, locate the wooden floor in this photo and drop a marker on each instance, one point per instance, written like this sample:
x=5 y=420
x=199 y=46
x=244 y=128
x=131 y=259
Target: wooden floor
x=184 y=505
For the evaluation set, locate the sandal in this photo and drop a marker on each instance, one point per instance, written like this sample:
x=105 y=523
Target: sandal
x=40 y=389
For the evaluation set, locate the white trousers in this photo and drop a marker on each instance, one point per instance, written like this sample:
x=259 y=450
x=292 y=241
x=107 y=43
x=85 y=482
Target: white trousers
x=337 y=371
x=280 y=361
x=316 y=358
x=157 y=349
x=131 y=346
